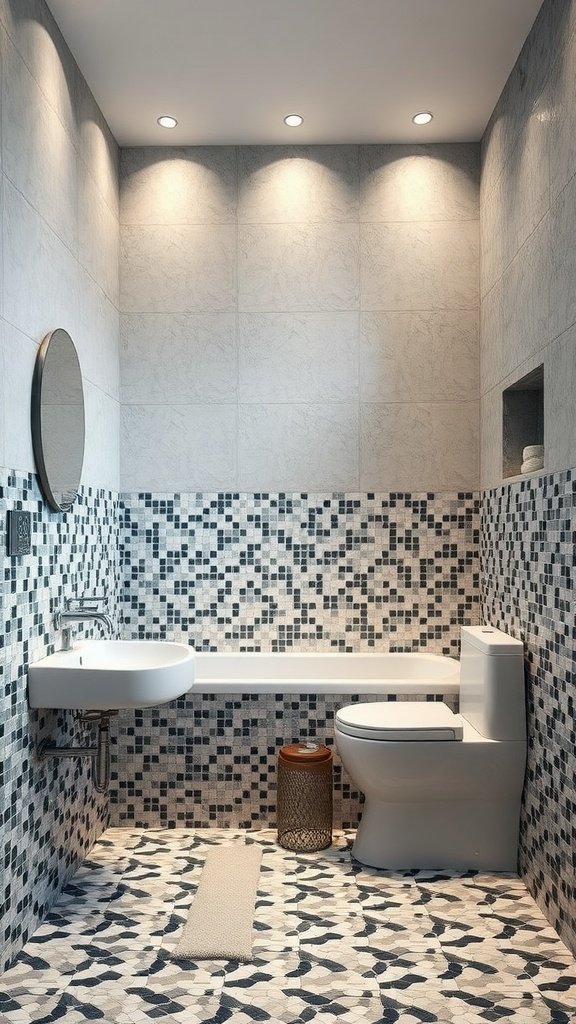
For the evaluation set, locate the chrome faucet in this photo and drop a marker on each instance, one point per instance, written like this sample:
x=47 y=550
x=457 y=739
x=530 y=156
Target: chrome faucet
x=81 y=609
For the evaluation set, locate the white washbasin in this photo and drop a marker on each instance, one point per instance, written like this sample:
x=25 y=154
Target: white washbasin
x=106 y=675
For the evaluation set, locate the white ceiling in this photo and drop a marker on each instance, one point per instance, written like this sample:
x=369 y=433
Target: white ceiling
x=357 y=70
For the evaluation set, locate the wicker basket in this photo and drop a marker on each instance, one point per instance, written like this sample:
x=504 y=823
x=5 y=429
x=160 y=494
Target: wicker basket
x=305 y=797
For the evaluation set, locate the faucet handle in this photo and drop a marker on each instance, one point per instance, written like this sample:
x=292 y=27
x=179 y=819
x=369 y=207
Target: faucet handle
x=86 y=602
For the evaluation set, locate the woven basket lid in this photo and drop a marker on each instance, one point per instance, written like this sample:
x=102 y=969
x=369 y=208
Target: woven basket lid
x=301 y=753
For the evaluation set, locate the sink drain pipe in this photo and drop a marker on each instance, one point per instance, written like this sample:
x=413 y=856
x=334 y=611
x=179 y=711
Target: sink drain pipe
x=100 y=754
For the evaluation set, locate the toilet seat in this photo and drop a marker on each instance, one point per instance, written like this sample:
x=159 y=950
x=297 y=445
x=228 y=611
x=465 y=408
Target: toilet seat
x=405 y=721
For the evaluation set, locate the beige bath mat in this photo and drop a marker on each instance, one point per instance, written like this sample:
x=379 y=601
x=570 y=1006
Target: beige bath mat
x=220 y=920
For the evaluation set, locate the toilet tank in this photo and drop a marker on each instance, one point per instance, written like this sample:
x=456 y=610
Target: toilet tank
x=492 y=683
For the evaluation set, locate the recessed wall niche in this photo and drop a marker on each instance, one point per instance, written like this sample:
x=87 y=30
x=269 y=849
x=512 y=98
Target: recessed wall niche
x=522 y=419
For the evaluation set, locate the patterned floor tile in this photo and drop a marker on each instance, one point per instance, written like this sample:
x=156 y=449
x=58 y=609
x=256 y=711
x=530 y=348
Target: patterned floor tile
x=332 y=940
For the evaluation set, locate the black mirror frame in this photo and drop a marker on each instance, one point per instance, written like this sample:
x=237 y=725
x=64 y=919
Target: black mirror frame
x=36 y=424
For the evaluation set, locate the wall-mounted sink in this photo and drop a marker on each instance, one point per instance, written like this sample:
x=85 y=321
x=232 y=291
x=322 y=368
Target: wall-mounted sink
x=106 y=675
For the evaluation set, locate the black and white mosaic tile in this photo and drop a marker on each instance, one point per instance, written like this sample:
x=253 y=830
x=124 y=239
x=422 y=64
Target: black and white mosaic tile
x=452 y=948
x=346 y=572
x=210 y=760
x=49 y=812
x=528 y=568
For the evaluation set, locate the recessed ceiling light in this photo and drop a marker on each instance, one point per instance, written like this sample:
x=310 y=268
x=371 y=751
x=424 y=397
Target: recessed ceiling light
x=167 y=121
x=293 y=120
x=423 y=118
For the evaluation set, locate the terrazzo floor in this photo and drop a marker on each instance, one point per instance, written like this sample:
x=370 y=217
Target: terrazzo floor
x=333 y=941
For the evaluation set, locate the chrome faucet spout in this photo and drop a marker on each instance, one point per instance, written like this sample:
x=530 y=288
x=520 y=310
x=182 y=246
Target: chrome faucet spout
x=64 y=619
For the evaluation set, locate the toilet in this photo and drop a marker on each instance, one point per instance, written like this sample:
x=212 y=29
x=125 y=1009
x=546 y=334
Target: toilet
x=443 y=790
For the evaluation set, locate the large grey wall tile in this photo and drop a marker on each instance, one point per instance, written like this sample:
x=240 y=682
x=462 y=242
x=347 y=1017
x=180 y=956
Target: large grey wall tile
x=19 y=357
x=34 y=33
x=98 y=236
x=495 y=249
x=168 y=185
x=40 y=275
x=419 y=266
x=297 y=267
x=37 y=153
x=562 y=116
x=420 y=446
x=526 y=193
x=419 y=357
x=178 y=358
x=178 y=269
x=97 y=339
x=491 y=438
x=562 y=271
x=298 y=447
x=298 y=357
x=102 y=452
x=526 y=299
x=418 y=183
x=560 y=404
x=97 y=148
x=179 y=448
x=492 y=340
x=297 y=184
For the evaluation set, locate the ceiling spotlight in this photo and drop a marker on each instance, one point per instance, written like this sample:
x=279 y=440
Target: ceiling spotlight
x=167 y=121
x=423 y=118
x=293 y=120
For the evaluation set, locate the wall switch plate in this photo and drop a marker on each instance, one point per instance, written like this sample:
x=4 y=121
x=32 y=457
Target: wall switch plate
x=19 y=532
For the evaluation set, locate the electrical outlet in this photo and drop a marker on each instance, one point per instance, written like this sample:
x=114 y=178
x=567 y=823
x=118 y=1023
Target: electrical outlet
x=19 y=532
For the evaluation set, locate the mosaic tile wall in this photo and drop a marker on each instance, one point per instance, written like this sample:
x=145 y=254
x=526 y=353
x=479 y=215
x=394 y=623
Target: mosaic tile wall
x=218 y=755
x=345 y=572
x=49 y=812
x=271 y=572
x=528 y=563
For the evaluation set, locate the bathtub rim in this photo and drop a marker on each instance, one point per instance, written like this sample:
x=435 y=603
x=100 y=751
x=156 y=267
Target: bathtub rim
x=265 y=682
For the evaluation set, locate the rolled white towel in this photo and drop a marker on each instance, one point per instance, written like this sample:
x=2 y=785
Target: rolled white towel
x=533 y=451
x=532 y=466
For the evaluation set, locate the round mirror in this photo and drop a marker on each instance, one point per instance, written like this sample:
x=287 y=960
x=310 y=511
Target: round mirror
x=58 y=419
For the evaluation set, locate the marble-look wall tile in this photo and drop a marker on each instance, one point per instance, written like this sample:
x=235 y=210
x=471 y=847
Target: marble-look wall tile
x=492 y=342
x=166 y=445
x=297 y=267
x=33 y=253
x=526 y=177
x=563 y=260
x=419 y=183
x=17 y=358
x=561 y=107
x=170 y=185
x=37 y=153
x=526 y=299
x=297 y=184
x=98 y=148
x=102 y=451
x=98 y=236
x=419 y=357
x=178 y=358
x=286 y=260
x=97 y=339
x=178 y=269
x=298 y=357
x=434 y=445
x=298 y=447
x=491 y=437
x=41 y=45
x=560 y=404
x=420 y=266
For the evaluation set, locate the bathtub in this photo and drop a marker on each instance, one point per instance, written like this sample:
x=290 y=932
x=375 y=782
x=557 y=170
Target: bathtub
x=325 y=673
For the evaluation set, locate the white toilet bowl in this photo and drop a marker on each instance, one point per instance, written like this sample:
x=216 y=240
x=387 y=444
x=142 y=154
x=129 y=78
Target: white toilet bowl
x=443 y=790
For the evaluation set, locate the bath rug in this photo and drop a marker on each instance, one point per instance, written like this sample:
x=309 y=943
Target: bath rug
x=219 y=924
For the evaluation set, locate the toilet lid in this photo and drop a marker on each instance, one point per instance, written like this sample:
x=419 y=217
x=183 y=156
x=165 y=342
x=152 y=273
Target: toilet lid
x=405 y=720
